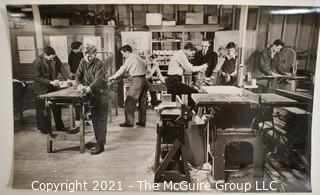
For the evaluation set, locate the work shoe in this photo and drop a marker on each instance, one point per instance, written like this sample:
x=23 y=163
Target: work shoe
x=125 y=125
x=141 y=124
x=98 y=149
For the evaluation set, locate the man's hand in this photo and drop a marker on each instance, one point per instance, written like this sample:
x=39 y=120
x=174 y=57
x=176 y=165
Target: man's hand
x=86 y=90
x=204 y=67
x=161 y=78
x=55 y=83
x=70 y=83
x=110 y=79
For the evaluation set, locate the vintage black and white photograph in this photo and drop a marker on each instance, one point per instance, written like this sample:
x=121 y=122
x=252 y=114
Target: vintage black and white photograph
x=163 y=97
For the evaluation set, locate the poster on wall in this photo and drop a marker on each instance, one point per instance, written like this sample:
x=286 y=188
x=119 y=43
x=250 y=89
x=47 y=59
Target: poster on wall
x=26 y=57
x=139 y=41
x=25 y=42
x=60 y=45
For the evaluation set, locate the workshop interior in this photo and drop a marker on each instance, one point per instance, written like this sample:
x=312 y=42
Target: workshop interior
x=214 y=94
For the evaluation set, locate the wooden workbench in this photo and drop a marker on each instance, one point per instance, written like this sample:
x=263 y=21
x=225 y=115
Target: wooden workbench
x=68 y=96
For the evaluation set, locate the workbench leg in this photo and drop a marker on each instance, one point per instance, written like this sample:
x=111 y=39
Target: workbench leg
x=185 y=165
x=219 y=160
x=167 y=159
x=116 y=101
x=49 y=145
x=82 y=127
x=157 y=153
x=71 y=110
x=49 y=140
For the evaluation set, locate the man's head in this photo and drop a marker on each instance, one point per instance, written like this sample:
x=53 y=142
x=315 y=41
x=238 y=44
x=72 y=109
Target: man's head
x=189 y=49
x=153 y=57
x=89 y=52
x=76 y=46
x=231 y=48
x=126 y=50
x=277 y=45
x=205 y=44
x=49 y=53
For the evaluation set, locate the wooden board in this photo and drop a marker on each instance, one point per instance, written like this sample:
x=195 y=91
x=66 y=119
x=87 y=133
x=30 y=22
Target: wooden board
x=221 y=89
x=281 y=77
x=221 y=99
x=277 y=100
x=68 y=93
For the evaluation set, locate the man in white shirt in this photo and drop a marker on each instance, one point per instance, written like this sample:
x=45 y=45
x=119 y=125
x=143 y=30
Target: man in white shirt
x=136 y=68
x=178 y=64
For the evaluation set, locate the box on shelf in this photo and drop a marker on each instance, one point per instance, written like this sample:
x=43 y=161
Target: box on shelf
x=194 y=18
x=153 y=19
x=169 y=23
x=60 y=21
x=212 y=19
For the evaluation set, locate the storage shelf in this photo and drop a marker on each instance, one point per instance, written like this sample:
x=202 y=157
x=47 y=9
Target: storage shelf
x=168 y=36
x=154 y=41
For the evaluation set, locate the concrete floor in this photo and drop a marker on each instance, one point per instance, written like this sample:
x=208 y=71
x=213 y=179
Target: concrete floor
x=128 y=157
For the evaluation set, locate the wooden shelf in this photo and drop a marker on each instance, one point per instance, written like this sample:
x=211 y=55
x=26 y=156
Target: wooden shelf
x=160 y=33
x=186 y=28
x=153 y=41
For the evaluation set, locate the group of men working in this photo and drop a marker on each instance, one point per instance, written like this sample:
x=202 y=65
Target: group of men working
x=89 y=74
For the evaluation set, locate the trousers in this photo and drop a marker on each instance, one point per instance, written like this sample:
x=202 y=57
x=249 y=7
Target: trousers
x=44 y=116
x=176 y=87
x=137 y=93
x=99 y=115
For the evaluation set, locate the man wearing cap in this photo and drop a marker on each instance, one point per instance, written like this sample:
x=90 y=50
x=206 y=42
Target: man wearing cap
x=136 y=67
x=90 y=80
x=46 y=68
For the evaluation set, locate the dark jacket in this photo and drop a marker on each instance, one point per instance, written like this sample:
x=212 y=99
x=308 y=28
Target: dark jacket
x=265 y=62
x=45 y=71
x=74 y=60
x=211 y=58
x=91 y=74
x=229 y=66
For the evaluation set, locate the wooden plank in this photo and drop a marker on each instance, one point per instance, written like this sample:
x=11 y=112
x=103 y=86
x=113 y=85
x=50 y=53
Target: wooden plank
x=277 y=100
x=220 y=99
x=222 y=89
x=64 y=137
x=64 y=94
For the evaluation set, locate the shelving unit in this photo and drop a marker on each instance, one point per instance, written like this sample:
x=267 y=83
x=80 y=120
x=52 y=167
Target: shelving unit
x=166 y=40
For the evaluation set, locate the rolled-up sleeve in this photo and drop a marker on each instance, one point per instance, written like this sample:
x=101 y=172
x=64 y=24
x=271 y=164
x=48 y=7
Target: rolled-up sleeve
x=183 y=60
x=123 y=68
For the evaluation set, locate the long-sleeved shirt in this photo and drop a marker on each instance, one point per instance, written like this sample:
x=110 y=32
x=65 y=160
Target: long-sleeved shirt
x=133 y=65
x=91 y=74
x=180 y=63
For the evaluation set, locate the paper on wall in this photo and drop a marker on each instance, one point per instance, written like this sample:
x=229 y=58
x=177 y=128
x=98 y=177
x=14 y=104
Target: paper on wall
x=25 y=42
x=59 y=44
x=26 y=57
x=139 y=41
